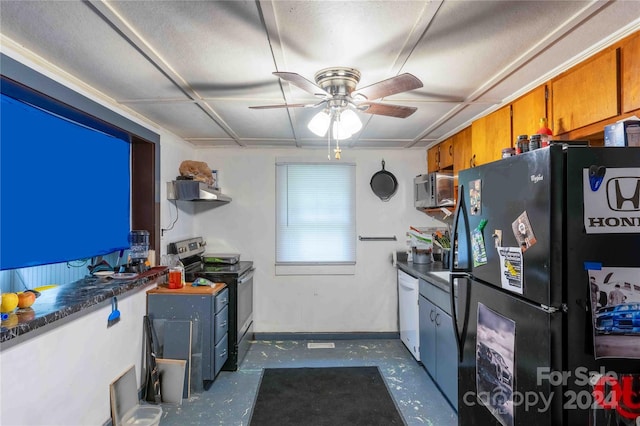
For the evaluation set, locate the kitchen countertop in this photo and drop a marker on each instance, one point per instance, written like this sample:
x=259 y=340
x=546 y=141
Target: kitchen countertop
x=426 y=272
x=188 y=289
x=56 y=304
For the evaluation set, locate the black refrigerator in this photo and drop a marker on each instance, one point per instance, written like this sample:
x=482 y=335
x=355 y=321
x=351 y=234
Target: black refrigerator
x=547 y=274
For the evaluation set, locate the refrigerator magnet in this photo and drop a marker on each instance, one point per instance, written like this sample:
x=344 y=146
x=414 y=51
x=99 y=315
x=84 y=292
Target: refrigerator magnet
x=497 y=238
x=523 y=232
x=477 y=248
x=475 y=196
x=511 y=268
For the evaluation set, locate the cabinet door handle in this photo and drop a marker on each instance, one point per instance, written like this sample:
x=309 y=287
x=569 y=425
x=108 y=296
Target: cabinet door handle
x=223 y=324
x=431 y=315
x=451 y=150
x=437 y=316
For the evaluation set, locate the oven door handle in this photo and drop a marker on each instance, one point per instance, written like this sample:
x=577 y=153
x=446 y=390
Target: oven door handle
x=246 y=276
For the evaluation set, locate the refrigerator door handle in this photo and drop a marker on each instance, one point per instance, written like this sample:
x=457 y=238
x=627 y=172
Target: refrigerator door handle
x=461 y=212
x=460 y=337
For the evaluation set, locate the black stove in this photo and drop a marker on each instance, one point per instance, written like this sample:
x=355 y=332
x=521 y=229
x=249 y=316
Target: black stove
x=239 y=279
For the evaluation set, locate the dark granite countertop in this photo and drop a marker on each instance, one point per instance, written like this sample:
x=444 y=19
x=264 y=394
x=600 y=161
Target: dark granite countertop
x=60 y=302
x=426 y=272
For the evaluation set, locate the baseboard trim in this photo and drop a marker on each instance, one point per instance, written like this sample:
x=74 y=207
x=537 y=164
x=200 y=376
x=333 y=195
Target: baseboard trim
x=327 y=336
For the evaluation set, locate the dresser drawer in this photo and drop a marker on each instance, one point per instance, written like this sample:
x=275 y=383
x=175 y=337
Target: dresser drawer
x=221 y=353
x=222 y=300
x=221 y=323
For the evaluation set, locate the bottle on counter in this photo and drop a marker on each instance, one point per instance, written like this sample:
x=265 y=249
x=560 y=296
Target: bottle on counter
x=176 y=270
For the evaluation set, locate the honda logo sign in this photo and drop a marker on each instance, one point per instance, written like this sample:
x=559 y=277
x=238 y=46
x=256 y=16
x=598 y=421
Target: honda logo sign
x=613 y=207
x=623 y=194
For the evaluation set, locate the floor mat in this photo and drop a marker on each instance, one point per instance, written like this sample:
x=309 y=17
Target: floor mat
x=324 y=396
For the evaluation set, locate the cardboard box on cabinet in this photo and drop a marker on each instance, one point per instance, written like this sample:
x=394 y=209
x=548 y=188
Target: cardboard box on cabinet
x=622 y=133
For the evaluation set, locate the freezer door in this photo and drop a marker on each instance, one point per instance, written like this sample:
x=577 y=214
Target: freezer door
x=609 y=254
x=508 y=349
x=521 y=199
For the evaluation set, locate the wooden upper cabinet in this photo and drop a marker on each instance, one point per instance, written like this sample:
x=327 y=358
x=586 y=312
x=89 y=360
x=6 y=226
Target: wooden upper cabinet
x=446 y=153
x=527 y=112
x=478 y=139
x=440 y=156
x=630 y=64
x=586 y=94
x=490 y=135
x=461 y=152
x=432 y=159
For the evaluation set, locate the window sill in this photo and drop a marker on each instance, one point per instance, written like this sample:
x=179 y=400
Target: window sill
x=316 y=269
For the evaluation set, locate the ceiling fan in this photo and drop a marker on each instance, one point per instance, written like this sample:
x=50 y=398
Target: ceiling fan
x=337 y=88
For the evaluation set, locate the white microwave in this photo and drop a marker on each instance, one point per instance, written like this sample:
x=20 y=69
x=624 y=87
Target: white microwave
x=433 y=190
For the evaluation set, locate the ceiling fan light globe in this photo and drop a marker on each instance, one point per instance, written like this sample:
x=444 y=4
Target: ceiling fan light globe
x=319 y=124
x=339 y=132
x=350 y=122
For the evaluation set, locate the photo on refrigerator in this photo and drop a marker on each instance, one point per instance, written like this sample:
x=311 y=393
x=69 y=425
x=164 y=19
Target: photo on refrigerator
x=495 y=357
x=615 y=307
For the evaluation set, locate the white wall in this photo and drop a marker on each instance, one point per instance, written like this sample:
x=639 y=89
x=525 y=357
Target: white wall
x=173 y=151
x=366 y=301
x=62 y=377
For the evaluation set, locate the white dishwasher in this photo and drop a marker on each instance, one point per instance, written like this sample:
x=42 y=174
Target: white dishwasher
x=408 y=312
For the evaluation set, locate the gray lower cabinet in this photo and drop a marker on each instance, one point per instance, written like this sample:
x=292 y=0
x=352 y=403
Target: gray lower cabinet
x=208 y=314
x=438 y=350
x=221 y=334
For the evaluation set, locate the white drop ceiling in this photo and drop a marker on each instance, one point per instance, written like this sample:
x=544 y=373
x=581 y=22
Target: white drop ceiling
x=195 y=67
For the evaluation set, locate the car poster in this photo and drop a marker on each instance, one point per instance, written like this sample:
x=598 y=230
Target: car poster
x=615 y=307
x=495 y=362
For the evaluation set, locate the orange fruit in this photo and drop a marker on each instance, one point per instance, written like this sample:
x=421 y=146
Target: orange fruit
x=26 y=299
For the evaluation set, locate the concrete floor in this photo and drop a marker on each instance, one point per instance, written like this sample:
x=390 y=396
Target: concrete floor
x=231 y=396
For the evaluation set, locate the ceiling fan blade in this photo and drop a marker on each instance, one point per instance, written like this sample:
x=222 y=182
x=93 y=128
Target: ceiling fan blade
x=398 y=111
x=303 y=83
x=280 y=106
x=288 y=105
x=390 y=86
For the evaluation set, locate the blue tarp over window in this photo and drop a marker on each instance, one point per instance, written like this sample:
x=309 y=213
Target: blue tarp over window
x=64 y=188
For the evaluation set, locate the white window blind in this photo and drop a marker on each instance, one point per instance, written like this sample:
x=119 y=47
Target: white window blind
x=315 y=214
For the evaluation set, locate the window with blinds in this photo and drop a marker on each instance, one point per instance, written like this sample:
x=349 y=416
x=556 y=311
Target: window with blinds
x=315 y=215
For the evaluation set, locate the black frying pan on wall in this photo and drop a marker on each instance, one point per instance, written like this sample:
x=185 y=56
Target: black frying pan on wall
x=384 y=184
